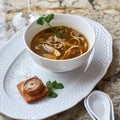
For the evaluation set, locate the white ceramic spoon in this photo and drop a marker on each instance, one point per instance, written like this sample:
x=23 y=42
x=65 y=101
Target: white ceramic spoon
x=112 y=109
x=99 y=105
x=91 y=115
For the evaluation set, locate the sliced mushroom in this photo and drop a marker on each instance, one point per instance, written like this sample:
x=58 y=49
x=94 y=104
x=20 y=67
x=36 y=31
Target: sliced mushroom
x=58 y=39
x=37 y=47
x=56 y=52
x=52 y=50
x=75 y=34
x=55 y=42
x=58 y=45
x=52 y=39
x=33 y=86
x=50 y=56
x=47 y=48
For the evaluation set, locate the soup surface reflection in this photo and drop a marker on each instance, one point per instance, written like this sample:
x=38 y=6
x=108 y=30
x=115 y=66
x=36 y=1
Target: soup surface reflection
x=59 y=42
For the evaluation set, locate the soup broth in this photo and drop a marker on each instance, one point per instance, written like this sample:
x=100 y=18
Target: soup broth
x=59 y=42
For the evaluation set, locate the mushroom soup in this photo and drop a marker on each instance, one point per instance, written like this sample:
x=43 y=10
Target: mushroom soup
x=59 y=42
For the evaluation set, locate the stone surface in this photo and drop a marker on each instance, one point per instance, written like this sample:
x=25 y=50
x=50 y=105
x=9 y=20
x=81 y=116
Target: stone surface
x=106 y=4
x=106 y=12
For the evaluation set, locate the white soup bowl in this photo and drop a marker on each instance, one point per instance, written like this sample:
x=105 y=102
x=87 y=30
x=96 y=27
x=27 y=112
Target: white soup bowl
x=73 y=21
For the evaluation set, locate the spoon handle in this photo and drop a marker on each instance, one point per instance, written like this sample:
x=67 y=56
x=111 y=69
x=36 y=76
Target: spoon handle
x=85 y=104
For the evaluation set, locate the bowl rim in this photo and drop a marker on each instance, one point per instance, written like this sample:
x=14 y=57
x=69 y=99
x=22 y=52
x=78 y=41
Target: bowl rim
x=70 y=59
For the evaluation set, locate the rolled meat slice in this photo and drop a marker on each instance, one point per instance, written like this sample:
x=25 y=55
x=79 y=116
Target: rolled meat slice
x=32 y=89
x=33 y=86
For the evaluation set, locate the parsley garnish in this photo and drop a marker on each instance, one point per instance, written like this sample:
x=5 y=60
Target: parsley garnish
x=53 y=85
x=57 y=85
x=59 y=33
x=52 y=94
x=45 y=19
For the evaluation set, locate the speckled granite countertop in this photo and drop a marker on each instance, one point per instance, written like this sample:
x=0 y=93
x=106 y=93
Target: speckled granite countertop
x=106 y=12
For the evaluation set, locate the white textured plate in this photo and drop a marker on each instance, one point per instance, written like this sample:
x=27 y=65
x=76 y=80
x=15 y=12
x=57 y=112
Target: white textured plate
x=16 y=65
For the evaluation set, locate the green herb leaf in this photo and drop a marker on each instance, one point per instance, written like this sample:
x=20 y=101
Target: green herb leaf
x=45 y=19
x=54 y=83
x=52 y=94
x=57 y=85
x=49 y=17
x=59 y=33
x=49 y=85
x=40 y=20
